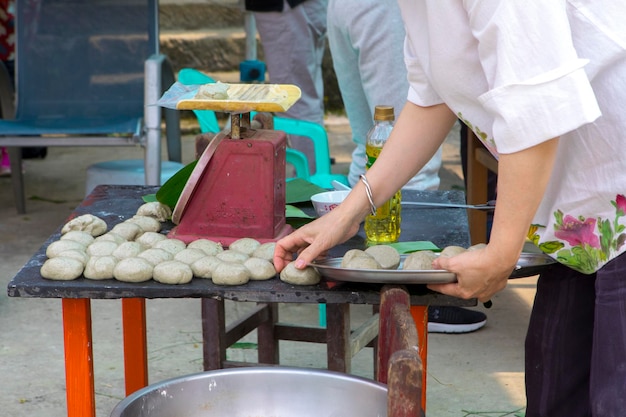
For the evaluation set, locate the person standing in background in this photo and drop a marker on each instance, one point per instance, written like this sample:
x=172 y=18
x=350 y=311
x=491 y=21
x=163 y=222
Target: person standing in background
x=365 y=39
x=293 y=36
x=7 y=55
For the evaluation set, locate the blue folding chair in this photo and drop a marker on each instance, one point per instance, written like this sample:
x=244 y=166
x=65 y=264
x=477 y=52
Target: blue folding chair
x=88 y=74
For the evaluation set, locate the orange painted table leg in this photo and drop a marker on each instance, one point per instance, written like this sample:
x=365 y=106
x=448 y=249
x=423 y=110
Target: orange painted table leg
x=135 y=344
x=79 y=384
x=420 y=316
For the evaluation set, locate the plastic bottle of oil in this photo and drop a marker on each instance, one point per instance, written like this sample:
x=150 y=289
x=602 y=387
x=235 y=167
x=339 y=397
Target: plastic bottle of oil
x=384 y=227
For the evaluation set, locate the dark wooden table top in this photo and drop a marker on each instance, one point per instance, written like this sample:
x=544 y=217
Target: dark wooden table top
x=115 y=204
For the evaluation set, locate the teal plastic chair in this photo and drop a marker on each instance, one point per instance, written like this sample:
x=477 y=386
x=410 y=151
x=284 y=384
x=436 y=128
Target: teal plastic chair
x=323 y=176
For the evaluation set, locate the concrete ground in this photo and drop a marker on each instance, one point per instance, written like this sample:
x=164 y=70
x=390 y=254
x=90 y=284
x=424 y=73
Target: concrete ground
x=468 y=375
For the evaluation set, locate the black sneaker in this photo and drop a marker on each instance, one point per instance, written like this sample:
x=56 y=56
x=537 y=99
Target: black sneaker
x=450 y=319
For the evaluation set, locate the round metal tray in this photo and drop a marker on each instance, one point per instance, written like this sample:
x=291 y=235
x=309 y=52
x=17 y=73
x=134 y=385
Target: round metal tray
x=529 y=264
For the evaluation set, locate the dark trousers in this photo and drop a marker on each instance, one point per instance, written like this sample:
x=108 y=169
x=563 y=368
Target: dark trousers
x=576 y=344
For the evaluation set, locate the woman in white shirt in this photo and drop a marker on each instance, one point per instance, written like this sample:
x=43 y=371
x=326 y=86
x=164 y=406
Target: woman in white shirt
x=543 y=84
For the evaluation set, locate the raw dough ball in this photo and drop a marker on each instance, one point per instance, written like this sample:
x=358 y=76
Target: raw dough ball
x=189 y=256
x=265 y=251
x=260 y=269
x=351 y=254
x=477 y=246
x=133 y=270
x=156 y=256
x=79 y=236
x=101 y=248
x=129 y=231
x=128 y=250
x=173 y=246
x=159 y=211
x=111 y=237
x=450 y=251
x=232 y=256
x=147 y=224
x=230 y=273
x=306 y=276
x=56 y=247
x=387 y=256
x=86 y=223
x=61 y=268
x=213 y=91
x=100 y=267
x=245 y=245
x=149 y=239
x=172 y=272
x=419 y=261
x=79 y=255
x=204 y=267
x=207 y=246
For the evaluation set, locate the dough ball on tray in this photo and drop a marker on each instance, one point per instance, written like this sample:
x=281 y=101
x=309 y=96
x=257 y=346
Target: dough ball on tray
x=172 y=272
x=155 y=255
x=265 y=251
x=87 y=223
x=101 y=248
x=232 y=256
x=159 y=211
x=147 y=223
x=230 y=273
x=58 y=246
x=129 y=231
x=292 y=275
x=100 y=267
x=245 y=245
x=207 y=246
x=189 y=255
x=111 y=237
x=260 y=269
x=387 y=256
x=359 y=259
x=128 y=250
x=133 y=270
x=450 y=251
x=204 y=267
x=173 y=246
x=62 y=269
x=79 y=236
x=79 y=255
x=419 y=261
x=149 y=239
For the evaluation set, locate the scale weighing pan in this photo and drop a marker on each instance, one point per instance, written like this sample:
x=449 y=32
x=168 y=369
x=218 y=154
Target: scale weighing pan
x=244 y=98
x=529 y=264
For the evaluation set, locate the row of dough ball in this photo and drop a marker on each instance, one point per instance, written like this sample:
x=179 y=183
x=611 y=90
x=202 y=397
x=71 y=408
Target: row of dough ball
x=135 y=251
x=387 y=257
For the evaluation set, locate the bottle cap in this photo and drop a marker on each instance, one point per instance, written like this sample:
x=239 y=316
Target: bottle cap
x=383 y=113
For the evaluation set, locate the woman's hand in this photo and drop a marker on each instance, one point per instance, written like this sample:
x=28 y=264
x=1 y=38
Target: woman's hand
x=480 y=273
x=314 y=239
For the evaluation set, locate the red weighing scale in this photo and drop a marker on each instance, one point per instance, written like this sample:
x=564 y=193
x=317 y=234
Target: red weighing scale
x=237 y=188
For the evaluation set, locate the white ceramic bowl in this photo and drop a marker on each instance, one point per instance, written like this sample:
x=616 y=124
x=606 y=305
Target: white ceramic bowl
x=325 y=202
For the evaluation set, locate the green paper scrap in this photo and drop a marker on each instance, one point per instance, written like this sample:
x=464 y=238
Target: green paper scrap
x=408 y=247
x=299 y=190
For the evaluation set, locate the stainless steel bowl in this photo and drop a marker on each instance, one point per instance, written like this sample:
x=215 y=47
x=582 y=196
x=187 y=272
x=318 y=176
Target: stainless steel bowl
x=258 y=392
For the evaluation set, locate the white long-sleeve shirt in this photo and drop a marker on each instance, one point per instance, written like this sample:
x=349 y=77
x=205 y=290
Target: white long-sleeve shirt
x=523 y=72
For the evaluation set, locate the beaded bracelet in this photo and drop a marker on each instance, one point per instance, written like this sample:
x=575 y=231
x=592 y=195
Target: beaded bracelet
x=368 y=191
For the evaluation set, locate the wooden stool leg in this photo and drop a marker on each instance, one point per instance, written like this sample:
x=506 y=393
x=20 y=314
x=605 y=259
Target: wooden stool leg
x=213 y=333
x=268 y=344
x=79 y=382
x=338 y=337
x=404 y=385
x=420 y=316
x=135 y=344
